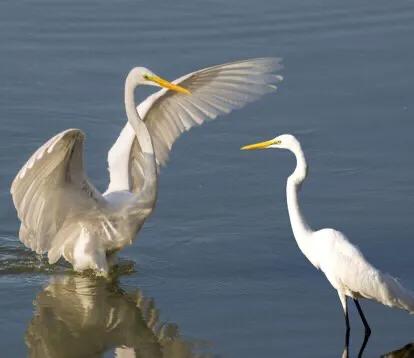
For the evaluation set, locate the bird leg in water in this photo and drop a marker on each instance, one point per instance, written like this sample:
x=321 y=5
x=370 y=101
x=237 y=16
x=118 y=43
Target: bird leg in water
x=348 y=328
x=367 y=328
x=364 y=320
x=363 y=346
x=344 y=303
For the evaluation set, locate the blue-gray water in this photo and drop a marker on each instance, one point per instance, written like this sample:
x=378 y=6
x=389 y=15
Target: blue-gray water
x=218 y=257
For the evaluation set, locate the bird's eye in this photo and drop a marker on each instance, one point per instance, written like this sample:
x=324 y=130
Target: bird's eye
x=146 y=77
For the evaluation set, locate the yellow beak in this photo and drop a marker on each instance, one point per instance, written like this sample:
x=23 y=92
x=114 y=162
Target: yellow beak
x=169 y=85
x=260 y=145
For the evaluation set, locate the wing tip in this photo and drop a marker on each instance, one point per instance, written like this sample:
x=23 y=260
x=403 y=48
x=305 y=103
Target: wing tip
x=269 y=64
x=50 y=144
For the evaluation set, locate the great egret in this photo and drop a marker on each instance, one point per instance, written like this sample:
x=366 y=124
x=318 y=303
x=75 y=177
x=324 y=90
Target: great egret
x=63 y=214
x=330 y=251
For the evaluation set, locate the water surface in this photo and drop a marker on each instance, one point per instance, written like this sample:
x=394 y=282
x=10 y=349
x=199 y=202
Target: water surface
x=217 y=257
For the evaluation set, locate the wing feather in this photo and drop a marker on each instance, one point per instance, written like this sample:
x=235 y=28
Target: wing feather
x=52 y=187
x=214 y=91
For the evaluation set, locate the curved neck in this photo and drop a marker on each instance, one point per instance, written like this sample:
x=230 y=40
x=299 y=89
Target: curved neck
x=144 y=140
x=300 y=227
x=141 y=131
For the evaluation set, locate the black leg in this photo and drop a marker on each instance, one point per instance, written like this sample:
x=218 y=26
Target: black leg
x=364 y=320
x=364 y=344
x=344 y=303
x=367 y=329
x=348 y=328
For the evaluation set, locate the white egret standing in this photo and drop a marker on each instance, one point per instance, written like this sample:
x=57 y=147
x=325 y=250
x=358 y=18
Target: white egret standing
x=330 y=251
x=63 y=214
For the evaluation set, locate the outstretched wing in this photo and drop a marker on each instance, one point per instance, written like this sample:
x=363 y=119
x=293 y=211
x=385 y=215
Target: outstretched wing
x=51 y=188
x=215 y=90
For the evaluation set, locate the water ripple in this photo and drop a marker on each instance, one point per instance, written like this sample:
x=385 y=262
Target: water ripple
x=15 y=259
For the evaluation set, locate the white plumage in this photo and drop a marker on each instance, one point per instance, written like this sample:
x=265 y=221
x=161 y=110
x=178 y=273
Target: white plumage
x=214 y=91
x=330 y=251
x=62 y=213
x=352 y=275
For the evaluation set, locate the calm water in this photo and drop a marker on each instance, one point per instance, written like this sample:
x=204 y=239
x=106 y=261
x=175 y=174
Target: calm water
x=217 y=260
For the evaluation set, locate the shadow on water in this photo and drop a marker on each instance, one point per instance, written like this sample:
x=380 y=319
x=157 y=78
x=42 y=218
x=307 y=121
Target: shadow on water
x=78 y=316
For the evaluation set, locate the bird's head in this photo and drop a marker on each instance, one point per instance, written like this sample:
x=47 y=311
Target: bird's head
x=143 y=76
x=284 y=141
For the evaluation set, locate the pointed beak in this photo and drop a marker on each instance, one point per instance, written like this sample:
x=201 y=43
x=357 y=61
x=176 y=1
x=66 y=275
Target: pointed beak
x=171 y=86
x=260 y=145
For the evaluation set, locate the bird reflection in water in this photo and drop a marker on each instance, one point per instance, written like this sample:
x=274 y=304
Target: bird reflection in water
x=78 y=316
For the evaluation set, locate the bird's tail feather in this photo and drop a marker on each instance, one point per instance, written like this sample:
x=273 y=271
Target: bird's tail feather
x=392 y=293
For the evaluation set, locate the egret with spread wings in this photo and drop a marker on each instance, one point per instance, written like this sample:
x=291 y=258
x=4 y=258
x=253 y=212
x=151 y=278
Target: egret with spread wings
x=63 y=214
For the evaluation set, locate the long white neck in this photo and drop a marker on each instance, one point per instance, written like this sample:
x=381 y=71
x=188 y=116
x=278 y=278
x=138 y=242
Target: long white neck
x=300 y=227
x=141 y=131
x=144 y=139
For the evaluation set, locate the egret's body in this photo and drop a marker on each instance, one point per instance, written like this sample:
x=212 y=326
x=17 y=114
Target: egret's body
x=330 y=251
x=63 y=214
